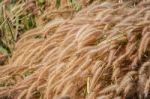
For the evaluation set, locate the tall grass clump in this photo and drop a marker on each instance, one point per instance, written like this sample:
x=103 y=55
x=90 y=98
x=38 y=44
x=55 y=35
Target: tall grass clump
x=102 y=52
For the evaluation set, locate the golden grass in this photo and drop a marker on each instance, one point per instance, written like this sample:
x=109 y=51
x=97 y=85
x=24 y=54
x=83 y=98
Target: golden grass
x=103 y=52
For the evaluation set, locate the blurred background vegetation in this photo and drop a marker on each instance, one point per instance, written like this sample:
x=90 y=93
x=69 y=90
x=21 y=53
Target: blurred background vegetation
x=15 y=19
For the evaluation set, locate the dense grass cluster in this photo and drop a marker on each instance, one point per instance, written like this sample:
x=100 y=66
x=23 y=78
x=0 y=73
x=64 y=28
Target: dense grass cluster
x=102 y=52
x=18 y=16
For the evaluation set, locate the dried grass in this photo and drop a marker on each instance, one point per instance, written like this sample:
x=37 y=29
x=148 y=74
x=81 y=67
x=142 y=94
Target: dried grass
x=102 y=53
